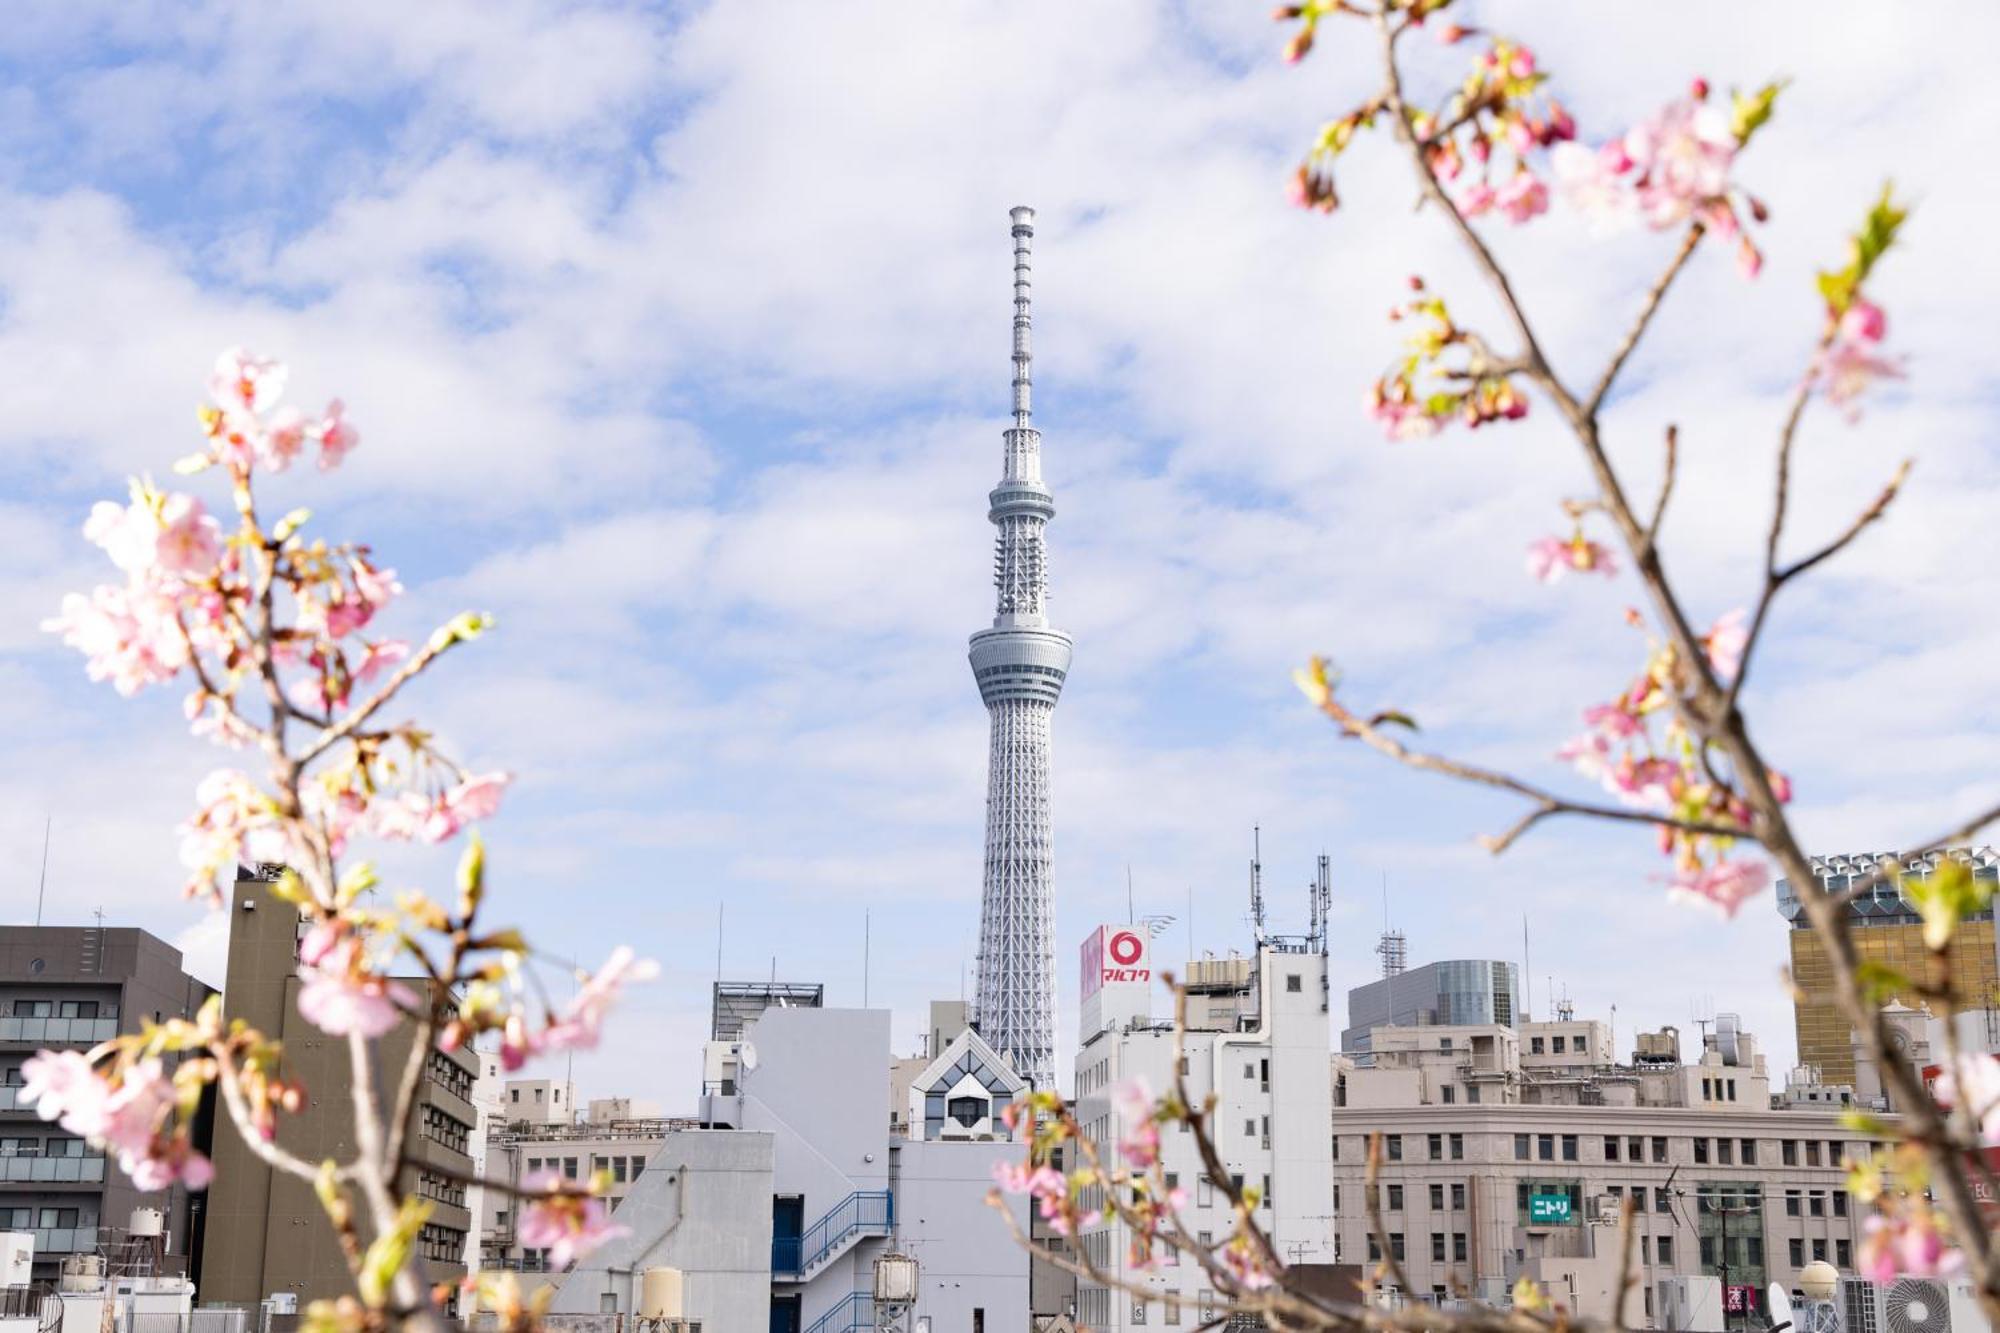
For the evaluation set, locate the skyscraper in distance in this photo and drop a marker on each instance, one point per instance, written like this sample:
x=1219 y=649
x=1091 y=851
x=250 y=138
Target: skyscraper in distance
x=1020 y=664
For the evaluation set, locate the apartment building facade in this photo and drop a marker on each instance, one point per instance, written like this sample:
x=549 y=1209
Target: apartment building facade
x=1259 y=1040
x=69 y=988
x=266 y=1231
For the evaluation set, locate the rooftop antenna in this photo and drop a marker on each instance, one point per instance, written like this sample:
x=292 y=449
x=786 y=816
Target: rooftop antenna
x=42 y=889
x=1257 y=882
x=1393 y=947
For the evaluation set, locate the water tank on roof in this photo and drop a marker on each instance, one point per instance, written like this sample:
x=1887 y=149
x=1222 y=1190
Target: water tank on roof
x=660 y=1294
x=146 y=1222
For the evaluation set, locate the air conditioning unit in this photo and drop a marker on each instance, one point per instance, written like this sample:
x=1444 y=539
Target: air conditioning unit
x=1911 y=1305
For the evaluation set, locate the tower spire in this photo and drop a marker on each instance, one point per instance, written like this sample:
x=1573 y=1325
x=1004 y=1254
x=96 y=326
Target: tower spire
x=1020 y=665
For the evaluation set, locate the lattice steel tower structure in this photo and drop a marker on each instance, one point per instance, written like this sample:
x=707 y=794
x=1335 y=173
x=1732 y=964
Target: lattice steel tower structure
x=1020 y=665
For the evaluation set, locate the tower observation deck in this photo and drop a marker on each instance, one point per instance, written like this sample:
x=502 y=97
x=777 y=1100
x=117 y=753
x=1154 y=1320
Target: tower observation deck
x=1019 y=664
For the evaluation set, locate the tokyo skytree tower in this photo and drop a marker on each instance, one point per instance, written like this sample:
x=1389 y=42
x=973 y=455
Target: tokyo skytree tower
x=1020 y=664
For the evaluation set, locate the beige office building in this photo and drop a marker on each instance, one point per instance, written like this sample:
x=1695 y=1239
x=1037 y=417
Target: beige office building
x=1511 y=1152
x=266 y=1231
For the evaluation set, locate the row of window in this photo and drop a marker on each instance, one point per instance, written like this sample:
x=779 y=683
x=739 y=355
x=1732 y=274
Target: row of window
x=1577 y=1044
x=62 y=1009
x=1632 y=1148
x=442 y=1244
x=450 y=1075
x=21 y=1219
x=35 y=1146
x=434 y=1186
x=446 y=1129
x=1017 y=669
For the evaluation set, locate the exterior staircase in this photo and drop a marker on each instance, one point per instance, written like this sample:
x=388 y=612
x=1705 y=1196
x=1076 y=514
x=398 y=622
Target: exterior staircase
x=862 y=1215
x=856 y=1314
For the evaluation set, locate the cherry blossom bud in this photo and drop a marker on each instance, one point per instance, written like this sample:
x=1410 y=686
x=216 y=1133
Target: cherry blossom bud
x=1699 y=90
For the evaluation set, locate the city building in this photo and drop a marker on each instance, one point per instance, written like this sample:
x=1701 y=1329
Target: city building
x=1020 y=664
x=776 y=1207
x=515 y=1148
x=1454 y=992
x=71 y=987
x=1258 y=1039
x=266 y=1232
x=1501 y=1162
x=1886 y=930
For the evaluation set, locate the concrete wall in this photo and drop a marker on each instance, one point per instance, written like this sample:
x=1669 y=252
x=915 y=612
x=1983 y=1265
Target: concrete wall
x=704 y=1207
x=966 y=1258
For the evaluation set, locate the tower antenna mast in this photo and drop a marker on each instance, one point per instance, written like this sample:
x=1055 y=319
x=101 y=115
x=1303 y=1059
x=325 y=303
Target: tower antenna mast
x=1020 y=665
x=1257 y=883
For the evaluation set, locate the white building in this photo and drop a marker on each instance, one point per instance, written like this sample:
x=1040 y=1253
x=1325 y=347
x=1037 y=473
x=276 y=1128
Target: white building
x=778 y=1208
x=1259 y=1039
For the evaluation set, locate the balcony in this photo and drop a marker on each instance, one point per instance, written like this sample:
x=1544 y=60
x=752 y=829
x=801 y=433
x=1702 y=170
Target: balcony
x=87 y=1170
x=58 y=1031
x=64 y=1240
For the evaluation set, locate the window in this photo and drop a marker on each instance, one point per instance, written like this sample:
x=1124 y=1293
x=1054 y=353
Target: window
x=1701 y=1152
x=1396 y=1245
x=1534 y=1046
x=1472 y=1093
x=1791 y=1203
x=1840 y=1203
x=1458 y=1197
x=1336 y=1143
x=1833 y=1152
x=1557 y=1045
x=1249 y=1129
x=1458 y=1246
x=1816 y=1204
x=967 y=1111
x=1634 y=1147
x=1843 y=1254
x=1249 y=1069
x=1659 y=1150
x=1610 y=1147
x=1374 y=1249
x=1458 y=1147
x=1661 y=1202
x=1395 y=1198
x=78 y=1009
x=1437 y=1247
x=1393 y=1147
x=1204 y=1192
x=1444 y=1043
x=1450 y=1096
x=1437 y=1198
x=1265 y=1200
x=618 y=1170
x=1545 y=1147
x=638 y=1167
x=1293 y=983
x=1753 y=1251
x=1578 y=1044
x=1435 y=1142
x=1708 y=1251
x=1569 y=1147
x=1788 y=1151
x=1173 y=1310
x=1819 y=1251
x=1663 y=1246
x=1645 y=1251
x=1708 y=1090
x=1236 y=1183
x=1138 y=1312
x=1749 y=1152
x=1725 y=1152
x=569 y=1167
x=32 y=1009
x=1812 y=1152
x=514 y=1094
x=1520 y=1147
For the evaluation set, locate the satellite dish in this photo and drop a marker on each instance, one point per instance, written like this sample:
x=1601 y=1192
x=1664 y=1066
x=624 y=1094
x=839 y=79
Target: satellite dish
x=746 y=1055
x=1781 y=1308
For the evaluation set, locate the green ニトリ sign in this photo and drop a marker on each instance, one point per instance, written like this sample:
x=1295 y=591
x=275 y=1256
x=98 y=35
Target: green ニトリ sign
x=1548 y=1208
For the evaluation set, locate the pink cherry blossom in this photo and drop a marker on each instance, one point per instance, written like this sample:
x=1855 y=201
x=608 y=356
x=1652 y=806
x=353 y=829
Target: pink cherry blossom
x=282 y=439
x=1907 y=1245
x=379 y=656
x=189 y=541
x=1595 y=184
x=377 y=587
x=336 y=435
x=582 y=1021
x=64 y=1086
x=568 y=1226
x=1853 y=360
x=1723 y=886
x=1613 y=720
x=1683 y=155
x=1244 y=1266
x=244 y=381
x=341 y=995
x=129 y=635
x=1474 y=198
x=1725 y=642
x=1975 y=1079
x=1549 y=558
x=233 y=821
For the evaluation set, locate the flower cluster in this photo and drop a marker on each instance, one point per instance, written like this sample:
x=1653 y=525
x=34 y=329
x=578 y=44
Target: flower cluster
x=1466 y=382
x=1665 y=771
x=1485 y=144
x=1850 y=356
x=1673 y=169
x=135 y=1111
x=485 y=1007
x=1905 y=1236
x=1549 y=558
x=568 y=1223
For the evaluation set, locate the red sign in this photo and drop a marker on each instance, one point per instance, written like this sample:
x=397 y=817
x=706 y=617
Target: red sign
x=1739 y=1300
x=1114 y=954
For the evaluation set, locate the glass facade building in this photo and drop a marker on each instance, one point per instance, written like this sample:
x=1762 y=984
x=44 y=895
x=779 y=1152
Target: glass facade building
x=1457 y=991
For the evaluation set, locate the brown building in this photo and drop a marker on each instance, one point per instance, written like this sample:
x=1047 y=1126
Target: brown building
x=1886 y=930
x=71 y=987
x=266 y=1231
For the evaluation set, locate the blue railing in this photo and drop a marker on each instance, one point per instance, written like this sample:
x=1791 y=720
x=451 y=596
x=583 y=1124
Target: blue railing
x=864 y=1212
x=857 y=1312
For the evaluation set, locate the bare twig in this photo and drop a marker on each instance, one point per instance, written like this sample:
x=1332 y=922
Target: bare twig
x=1666 y=486
x=1647 y=309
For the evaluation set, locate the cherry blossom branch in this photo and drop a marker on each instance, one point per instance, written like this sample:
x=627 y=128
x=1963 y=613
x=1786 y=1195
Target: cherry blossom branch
x=1667 y=471
x=440 y=642
x=1546 y=803
x=1647 y=309
x=267 y=1150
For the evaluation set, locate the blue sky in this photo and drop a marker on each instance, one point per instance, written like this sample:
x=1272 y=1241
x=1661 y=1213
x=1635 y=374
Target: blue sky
x=678 y=339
